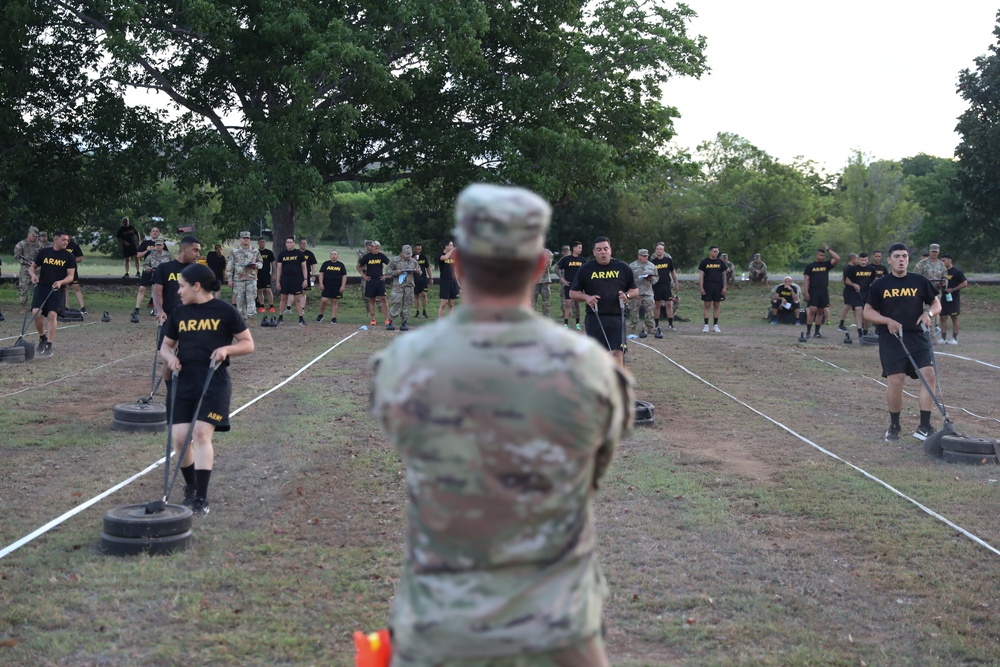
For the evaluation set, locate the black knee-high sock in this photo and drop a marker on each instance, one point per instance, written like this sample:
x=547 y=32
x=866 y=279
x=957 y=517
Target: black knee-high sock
x=201 y=478
x=188 y=473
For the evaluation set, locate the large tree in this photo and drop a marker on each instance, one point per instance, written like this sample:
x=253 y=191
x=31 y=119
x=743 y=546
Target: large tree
x=873 y=201
x=274 y=100
x=979 y=150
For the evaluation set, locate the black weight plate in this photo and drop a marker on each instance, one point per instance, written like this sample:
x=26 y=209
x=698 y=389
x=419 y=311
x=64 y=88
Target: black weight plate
x=132 y=546
x=68 y=317
x=965 y=445
x=132 y=521
x=138 y=427
x=645 y=422
x=29 y=349
x=968 y=459
x=142 y=413
x=643 y=410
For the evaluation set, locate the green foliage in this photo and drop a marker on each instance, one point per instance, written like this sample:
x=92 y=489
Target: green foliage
x=933 y=184
x=872 y=200
x=979 y=152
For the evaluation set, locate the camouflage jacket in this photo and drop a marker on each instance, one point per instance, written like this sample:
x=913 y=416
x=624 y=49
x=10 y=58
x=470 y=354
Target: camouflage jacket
x=933 y=270
x=640 y=270
x=757 y=266
x=154 y=259
x=238 y=267
x=24 y=252
x=505 y=422
x=397 y=264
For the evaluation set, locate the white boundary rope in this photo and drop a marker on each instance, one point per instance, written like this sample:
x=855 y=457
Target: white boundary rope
x=812 y=444
x=35 y=333
x=82 y=506
x=66 y=377
x=958 y=356
x=911 y=395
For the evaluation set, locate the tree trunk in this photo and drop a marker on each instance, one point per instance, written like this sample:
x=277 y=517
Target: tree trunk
x=282 y=225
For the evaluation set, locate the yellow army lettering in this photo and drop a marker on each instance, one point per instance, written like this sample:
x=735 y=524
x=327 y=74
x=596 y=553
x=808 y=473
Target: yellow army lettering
x=198 y=325
x=604 y=274
x=215 y=416
x=664 y=265
x=818 y=268
x=446 y=261
x=896 y=292
x=173 y=277
x=374 y=261
x=577 y=263
x=54 y=262
x=713 y=266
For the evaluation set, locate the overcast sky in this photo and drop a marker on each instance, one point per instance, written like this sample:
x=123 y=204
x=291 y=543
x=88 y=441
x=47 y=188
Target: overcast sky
x=820 y=79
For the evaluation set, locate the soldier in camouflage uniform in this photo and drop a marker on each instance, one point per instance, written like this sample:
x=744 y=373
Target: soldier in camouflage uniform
x=401 y=297
x=646 y=275
x=543 y=288
x=932 y=268
x=505 y=423
x=24 y=253
x=241 y=272
x=152 y=259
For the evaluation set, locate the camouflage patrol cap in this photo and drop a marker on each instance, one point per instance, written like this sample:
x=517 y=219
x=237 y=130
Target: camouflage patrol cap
x=643 y=252
x=33 y=230
x=935 y=246
x=406 y=251
x=244 y=235
x=500 y=221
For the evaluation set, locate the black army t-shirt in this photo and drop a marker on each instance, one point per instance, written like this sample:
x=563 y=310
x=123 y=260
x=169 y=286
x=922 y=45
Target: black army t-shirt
x=333 y=274
x=955 y=278
x=201 y=328
x=446 y=270
x=901 y=299
x=53 y=265
x=311 y=260
x=167 y=275
x=664 y=268
x=424 y=264
x=570 y=265
x=786 y=293
x=715 y=271
x=862 y=276
x=267 y=258
x=605 y=281
x=291 y=267
x=819 y=274
x=879 y=270
x=373 y=264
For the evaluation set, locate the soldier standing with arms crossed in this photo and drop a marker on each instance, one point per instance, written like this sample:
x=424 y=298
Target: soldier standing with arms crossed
x=241 y=270
x=501 y=486
x=24 y=253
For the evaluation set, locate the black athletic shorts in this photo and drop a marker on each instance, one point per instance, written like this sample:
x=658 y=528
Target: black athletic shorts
x=374 y=287
x=46 y=303
x=848 y=294
x=129 y=251
x=661 y=291
x=712 y=293
x=215 y=406
x=449 y=289
x=893 y=357
x=419 y=285
x=819 y=298
x=855 y=299
x=263 y=281
x=291 y=286
x=952 y=307
x=332 y=293
x=146 y=278
x=612 y=328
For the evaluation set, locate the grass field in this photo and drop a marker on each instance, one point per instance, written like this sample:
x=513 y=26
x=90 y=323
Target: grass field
x=726 y=539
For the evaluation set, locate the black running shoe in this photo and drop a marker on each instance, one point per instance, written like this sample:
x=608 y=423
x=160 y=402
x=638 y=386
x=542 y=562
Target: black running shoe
x=841 y=327
x=189 y=495
x=923 y=432
x=892 y=434
x=41 y=344
x=319 y=318
x=302 y=321
x=199 y=506
x=83 y=311
x=47 y=352
x=333 y=320
x=817 y=335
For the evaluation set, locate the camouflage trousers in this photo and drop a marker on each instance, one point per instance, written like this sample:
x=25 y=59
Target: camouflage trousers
x=245 y=292
x=646 y=303
x=24 y=285
x=543 y=289
x=400 y=300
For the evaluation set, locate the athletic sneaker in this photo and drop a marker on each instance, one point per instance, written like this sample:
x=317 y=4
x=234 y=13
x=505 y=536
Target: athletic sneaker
x=41 y=344
x=272 y=309
x=333 y=320
x=152 y=312
x=704 y=329
x=319 y=318
x=578 y=326
x=189 y=494
x=302 y=321
x=372 y=322
x=565 y=326
x=288 y=310
x=262 y=310
x=388 y=321
x=940 y=341
x=47 y=352
x=425 y=314
x=83 y=311
x=199 y=506
x=841 y=327
x=716 y=329
x=892 y=434
x=952 y=341
x=670 y=327
x=923 y=432
x=125 y=277
x=817 y=335
x=774 y=321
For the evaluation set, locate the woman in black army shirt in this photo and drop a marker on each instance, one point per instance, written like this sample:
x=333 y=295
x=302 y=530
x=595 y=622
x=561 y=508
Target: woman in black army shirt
x=197 y=332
